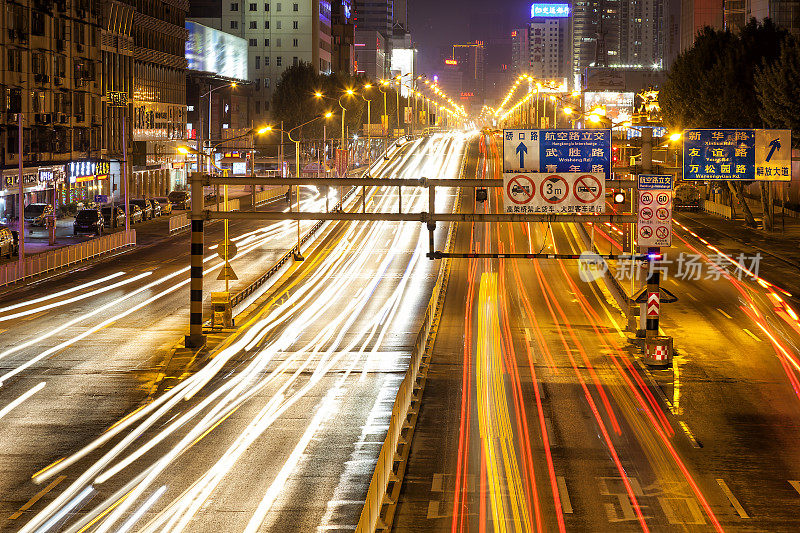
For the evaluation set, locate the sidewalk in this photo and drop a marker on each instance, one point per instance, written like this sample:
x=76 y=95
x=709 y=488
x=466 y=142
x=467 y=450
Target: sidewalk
x=779 y=249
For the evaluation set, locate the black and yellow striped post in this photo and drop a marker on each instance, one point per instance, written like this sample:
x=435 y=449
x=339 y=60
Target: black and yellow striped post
x=196 y=339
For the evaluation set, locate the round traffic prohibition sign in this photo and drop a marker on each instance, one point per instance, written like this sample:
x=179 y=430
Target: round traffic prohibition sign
x=226 y=252
x=587 y=189
x=646 y=213
x=521 y=189
x=662 y=232
x=554 y=189
x=662 y=198
x=646 y=198
x=662 y=213
x=646 y=232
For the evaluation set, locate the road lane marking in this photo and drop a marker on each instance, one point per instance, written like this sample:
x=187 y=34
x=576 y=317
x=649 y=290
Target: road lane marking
x=436 y=485
x=550 y=435
x=563 y=495
x=751 y=334
x=692 y=439
x=736 y=505
x=796 y=485
x=37 y=497
x=689 y=294
x=724 y=313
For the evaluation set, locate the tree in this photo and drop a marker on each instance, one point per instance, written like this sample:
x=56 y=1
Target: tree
x=778 y=90
x=712 y=85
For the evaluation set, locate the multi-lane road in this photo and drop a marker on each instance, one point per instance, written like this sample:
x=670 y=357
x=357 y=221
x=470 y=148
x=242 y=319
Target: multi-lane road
x=537 y=415
x=278 y=424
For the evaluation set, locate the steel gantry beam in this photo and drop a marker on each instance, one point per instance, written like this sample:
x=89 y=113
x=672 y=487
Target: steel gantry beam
x=199 y=215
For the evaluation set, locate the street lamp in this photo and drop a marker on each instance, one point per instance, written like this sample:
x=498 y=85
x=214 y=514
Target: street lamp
x=367 y=87
x=209 y=93
x=297 y=256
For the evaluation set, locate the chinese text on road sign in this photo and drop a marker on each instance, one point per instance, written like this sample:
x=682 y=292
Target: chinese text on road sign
x=654 y=221
x=557 y=151
x=557 y=193
x=737 y=155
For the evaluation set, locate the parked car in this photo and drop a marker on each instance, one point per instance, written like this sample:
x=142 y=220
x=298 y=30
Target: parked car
x=156 y=207
x=135 y=212
x=36 y=214
x=687 y=197
x=113 y=216
x=88 y=221
x=180 y=199
x=144 y=205
x=166 y=206
x=8 y=242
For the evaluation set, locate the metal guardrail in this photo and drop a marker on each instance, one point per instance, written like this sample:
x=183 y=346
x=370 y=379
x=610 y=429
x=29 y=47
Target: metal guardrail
x=179 y=222
x=717 y=209
x=385 y=472
x=53 y=260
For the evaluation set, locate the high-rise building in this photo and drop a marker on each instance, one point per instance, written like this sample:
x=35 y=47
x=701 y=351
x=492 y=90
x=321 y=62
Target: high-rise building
x=374 y=15
x=695 y=15
x=343 y=37
x=371 y=57
x=52 y=81
x=159 y=94
x=548 y=38
x=279 y=35
x=520 y=51
x=784 y=13
x=470 y=60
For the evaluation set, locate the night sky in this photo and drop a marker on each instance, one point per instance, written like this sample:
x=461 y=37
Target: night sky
x=436 y=24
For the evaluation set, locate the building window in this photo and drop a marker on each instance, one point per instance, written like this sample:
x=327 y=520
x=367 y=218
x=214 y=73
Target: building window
x=258 y=62
x=266 y=43
x=278 y=24
x=253 y=25
x=258 y=107
x=266 y=24
x=278 y=61
x=295 y=25
x=294 y=43
x=266 y=61
x=278 y=42
x=266 y=7
x=294 y=61
x=295 y=7
x=278 y=7
x=266 y=106
x=234 y=25
x=253 y=42
x=266 y=83
x=253 y=7
x=235 y=7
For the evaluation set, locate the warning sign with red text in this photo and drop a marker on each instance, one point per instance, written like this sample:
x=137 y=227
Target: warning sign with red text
x=654 y=221
x=556 y=193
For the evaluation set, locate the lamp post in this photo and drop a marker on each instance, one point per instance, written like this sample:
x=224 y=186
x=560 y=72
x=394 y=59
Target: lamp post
x=297 y=256
x=369 y=123
x=210 y=99
x=384 y=83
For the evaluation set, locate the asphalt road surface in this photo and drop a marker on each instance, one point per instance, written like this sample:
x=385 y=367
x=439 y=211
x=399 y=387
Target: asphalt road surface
x=537 y=415
x=277 y=430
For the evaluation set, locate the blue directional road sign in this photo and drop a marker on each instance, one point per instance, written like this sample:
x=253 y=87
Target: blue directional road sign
x=737 y=155
x=556 y=151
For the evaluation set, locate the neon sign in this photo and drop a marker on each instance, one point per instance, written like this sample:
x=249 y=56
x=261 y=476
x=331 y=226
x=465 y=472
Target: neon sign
x=550 y=10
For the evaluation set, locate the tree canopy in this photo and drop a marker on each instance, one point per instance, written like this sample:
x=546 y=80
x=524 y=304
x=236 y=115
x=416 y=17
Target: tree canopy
x=713 y=83
x=294 y=103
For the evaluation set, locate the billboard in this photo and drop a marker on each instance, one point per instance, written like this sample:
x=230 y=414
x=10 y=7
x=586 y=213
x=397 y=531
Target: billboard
x=618 y=105
x=550 y=10
x=210 y=50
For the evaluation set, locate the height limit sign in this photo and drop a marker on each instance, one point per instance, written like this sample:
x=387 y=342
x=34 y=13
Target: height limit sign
x=654 y=221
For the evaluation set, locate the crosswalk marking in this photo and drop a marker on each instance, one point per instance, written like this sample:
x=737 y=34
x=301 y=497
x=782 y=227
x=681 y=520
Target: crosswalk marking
x=731 y=498
x=563 y=495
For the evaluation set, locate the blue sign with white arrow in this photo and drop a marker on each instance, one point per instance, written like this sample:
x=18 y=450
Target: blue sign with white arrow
x=557 y=151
